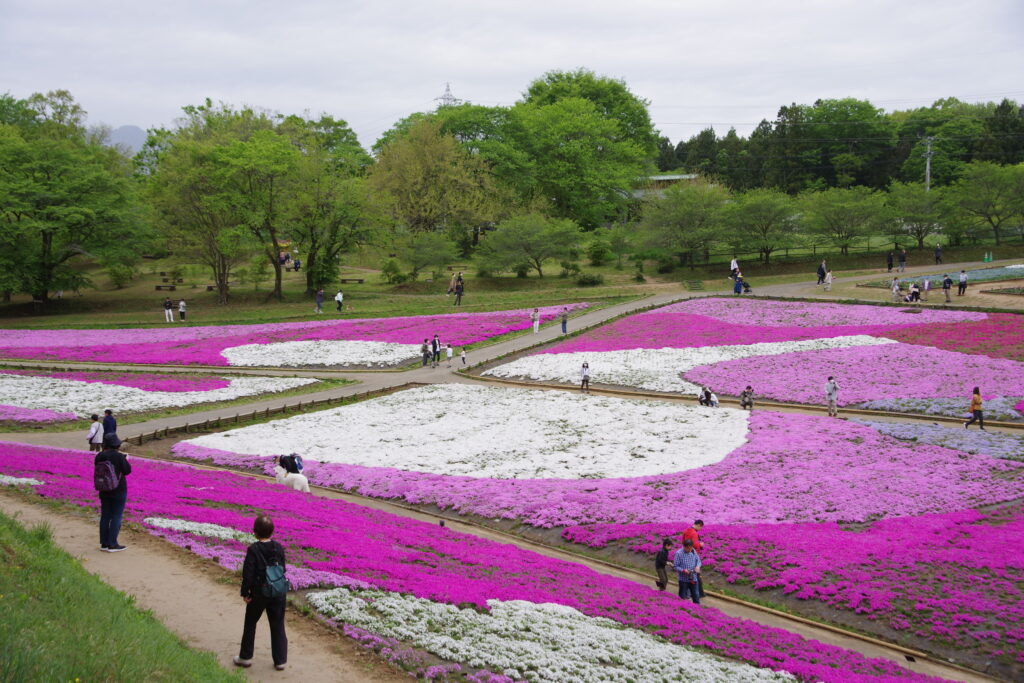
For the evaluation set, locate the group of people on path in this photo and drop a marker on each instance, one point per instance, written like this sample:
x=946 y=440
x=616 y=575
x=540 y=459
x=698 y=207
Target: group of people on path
x=919 y=292
x=169 y=309
x=431 y=350
x=739 y=284
x=563 y=316
x=901 y=259
x=825 y=276
x=686 y=563
x=457 y=286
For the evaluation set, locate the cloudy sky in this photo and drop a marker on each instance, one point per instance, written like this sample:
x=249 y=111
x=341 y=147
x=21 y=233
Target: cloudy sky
x=721 y=62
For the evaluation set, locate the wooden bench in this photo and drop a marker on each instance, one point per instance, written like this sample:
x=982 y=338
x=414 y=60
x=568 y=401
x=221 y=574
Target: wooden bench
x=169 y=288
x=695 y=285
x=351 y=280
x=163 y=273
x=179 y=281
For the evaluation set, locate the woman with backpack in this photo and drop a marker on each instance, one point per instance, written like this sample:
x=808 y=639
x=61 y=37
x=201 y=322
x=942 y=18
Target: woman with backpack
x=264 y=587
x=109 y=471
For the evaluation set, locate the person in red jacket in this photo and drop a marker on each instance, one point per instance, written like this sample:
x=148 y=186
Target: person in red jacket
x=693 y=534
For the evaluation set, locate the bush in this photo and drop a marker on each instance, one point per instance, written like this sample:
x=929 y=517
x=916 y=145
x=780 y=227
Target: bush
x=598 y=252
x=666 y=266
x=638 y=275
x=522 y=270
x=392 y=273
x=569 y=268
x=120 y=274
x=590 y=280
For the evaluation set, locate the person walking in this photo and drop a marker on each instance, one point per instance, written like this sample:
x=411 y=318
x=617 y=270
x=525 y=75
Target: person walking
x=319 y=301
x=976 y=414
x=452 y=282
x=585 y=378
x=435 y=351
x=828 y=281
x=565 y=320
x=460 y=289
x=462 y=355
x=535 y=319
x=832 y=395
x=256 y=590
x=168 y=310
x=747 y=398
x=903 y=260
x=114 y=495
x=894 y=287
x=425 y=351
x=947 y=285
x=693 y=535
x=962 y=286
x=181 y=310
x=734 y=267
x=938 y=254
x=296 y=264
x=888 y=262
x=926 y=286
x=449 y=352
x=661 y=564
x=821 y=272
x=339 y=300
x=737 y=285
x=95 y=435
x=109 y=422
x=687 y=566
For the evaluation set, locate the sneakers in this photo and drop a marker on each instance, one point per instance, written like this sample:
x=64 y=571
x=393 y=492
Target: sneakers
x=103 y=548
x=280 y=667
x=116 y=548
x=244 y=663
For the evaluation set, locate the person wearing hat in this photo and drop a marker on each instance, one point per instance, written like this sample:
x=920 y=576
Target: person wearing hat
x=112 y=502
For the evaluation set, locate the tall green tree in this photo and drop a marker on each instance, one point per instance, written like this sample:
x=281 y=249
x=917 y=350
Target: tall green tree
x=530 y=239
x=762 y=219
x=845 y=215
x=685 y=220
x=989 y=196
x=422 y=250
x=917 y=212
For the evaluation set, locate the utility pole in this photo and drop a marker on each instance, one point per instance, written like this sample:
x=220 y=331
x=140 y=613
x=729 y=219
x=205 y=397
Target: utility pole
x=928 y=163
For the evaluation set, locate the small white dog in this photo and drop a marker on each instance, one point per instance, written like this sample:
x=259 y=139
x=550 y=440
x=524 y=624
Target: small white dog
x=296 y=481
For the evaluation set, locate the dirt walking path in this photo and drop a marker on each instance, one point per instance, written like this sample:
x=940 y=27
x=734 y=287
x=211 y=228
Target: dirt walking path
x=194 y=600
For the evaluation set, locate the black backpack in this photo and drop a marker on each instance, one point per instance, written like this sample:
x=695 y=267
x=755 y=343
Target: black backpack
x=272 y=580
x=105 y=477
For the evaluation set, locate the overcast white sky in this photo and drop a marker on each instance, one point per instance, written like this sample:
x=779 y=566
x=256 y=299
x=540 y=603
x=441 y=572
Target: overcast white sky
x=370 y=63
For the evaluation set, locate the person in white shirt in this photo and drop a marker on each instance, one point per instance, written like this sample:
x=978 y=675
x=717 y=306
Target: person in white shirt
x=734 y=267
x=535 y=317
x=339 y=298
x=449 y=351
x=962 y=286
x=181 y=309
x=585 y=378
x=828 y=281
x=95 y=435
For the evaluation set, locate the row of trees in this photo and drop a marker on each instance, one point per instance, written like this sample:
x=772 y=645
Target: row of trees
x=847 y=142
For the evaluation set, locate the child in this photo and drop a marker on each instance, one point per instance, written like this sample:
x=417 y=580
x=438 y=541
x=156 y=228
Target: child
x=258 y=556
x=448 y=352
x=462 y=355
x=661 y=562
x=585 y=378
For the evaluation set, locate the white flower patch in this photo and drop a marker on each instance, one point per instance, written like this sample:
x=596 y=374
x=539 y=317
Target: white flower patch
x=658 y=369
x=201 y=529
x=85 y=398
x=536 y=642
x=19 y=481
x=322 y=352
x=501 y=432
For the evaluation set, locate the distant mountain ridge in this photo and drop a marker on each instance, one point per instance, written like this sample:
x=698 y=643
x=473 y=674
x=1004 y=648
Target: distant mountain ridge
x=131 y=137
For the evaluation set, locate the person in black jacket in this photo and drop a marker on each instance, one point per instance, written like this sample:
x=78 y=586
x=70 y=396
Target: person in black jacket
x=257 y=556
x=660 y=562
x=112 y=502
x=109 y=423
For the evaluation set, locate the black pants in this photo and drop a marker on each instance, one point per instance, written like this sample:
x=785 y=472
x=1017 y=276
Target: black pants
x=961 y=288
x=689 y=590
x=111 y=511
x=662 y=577
x=275 y=617
x=977 y=417
x=339 y=304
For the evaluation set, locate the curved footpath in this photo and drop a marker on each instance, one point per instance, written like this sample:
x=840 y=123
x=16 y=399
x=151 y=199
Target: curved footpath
x=162 y=579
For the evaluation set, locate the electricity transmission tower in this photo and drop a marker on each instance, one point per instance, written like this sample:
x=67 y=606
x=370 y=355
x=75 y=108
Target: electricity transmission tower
x=447 y=99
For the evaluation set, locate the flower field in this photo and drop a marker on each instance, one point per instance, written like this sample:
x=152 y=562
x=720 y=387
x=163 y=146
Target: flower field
x=521 y=615
x=916 y=360
x=382 y=341
x=33 y=397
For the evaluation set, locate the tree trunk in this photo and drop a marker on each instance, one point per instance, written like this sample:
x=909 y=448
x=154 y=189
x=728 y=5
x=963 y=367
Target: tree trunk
x=998 y=233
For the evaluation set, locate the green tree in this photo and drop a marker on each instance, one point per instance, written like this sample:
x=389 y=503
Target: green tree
x=620 y=242
x=762 y=219
x=844 y=215
x=685 y=220
x=425 y=250
x=531 y=239
x=917 y=212
x=667 y=160
x=989 y=196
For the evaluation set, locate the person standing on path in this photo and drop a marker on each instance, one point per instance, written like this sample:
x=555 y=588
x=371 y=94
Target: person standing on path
x=109 y=422
x=112 y=502
x=462 y=355
x=903 y=260
x=822 y=269
x=976 y=414
x=181 y=310
x=460 y=289
x=339 y=300
x=168 y=310
x=264 y=553
x=926 y=286
x=947 y=284
x=938 y=254
x=435 y=351
x=894 y=287
x=962 y=286
x=449 y=352
x=425 y=351
x=693 y=535
x=832 y=395
x=535 y=319
x=661 y=564
x=319 y=301
x=95 y=435
x=828 y=281
x=585 y=378
x=734 y=267
x=565 y=320
x=687 y=566
x=888 y=262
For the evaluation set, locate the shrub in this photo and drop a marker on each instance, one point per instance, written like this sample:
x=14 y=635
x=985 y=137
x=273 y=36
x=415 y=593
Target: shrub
x=590 y=280
x=569 y=268
x=120 y=274
x=392 y=273
x=598 y=252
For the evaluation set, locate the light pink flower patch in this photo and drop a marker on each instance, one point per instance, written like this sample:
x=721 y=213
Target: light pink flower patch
x=33 y=415
x=173 y=383
x=865 y=373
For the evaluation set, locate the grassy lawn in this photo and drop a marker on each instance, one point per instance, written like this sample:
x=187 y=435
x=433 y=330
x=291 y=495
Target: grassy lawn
x=60 y=623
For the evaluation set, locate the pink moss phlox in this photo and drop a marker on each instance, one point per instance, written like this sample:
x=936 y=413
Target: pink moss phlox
x=865 y=373
x=399 y=554
x=203 y=345
x=33 y=415
x=769 y=313
x=793 y=468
